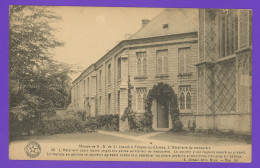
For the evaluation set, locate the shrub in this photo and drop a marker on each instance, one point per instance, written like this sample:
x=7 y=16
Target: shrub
x=178 y=125
x=58 y=125
x=192 y=126
x=108 y=122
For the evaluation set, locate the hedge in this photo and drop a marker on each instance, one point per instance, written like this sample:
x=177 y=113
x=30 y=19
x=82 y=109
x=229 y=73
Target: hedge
x=58 y=126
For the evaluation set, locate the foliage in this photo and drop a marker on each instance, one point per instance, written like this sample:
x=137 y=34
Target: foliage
x=165 y=95
x=192 y=126
x=128 y=113
x=178 y=125
x=27 y=126
x=37 y=83
x=108 y=122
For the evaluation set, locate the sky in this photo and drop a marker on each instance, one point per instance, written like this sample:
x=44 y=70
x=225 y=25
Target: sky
x=89 y=32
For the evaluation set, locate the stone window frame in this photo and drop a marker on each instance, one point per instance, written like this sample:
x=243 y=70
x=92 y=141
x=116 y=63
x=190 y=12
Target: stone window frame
x=119 y=66
x=118 y=101
x=186 y=65
x=100 y=78
x=109 y=103
x=141 y=63
x=141 y=95
x=109 y=74
x=100 y=104
x=164 y=62
x=185 y=90
x=225 y=43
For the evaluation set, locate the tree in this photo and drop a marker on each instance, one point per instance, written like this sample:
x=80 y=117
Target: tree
x=37 y=83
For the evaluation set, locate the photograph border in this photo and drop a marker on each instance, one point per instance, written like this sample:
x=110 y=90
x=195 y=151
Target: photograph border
x=237 y=4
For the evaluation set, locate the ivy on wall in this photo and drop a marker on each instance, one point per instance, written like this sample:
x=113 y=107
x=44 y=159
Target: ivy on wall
x=165 y=95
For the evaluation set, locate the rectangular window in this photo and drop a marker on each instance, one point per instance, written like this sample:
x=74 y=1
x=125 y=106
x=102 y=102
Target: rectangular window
x=184 y=60
x=162 y=62
x=119 y=69
x=100 y=104
x=185 y=97
x=118 y=101
x=109 y=74
x=109 y=103
x=84 y=88
x=88 y=87
x=141 y=64
x=140 y=99
x=100 y=78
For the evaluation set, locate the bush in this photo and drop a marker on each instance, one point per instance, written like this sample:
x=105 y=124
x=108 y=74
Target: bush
x=178 y=125
x=108 y=122
x=58 y=126
x=192 y=125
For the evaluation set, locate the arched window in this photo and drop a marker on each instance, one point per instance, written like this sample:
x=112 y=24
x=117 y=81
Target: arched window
x=144 y=99
x=162 y=62
x=159 y=65
x=185 y=97
x=141 y=63
x=140 y=99
x=182 y=101
x=144 y=66
x=139 y=66
x=188 y=100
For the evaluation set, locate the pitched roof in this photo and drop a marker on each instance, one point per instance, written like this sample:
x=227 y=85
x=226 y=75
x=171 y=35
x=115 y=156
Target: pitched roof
x=178 y=20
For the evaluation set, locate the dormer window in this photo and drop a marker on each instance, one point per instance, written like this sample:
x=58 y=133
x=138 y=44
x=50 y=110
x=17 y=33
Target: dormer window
x=165 y=26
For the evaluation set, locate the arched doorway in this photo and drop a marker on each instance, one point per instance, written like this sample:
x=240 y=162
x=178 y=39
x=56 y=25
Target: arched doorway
x=162 y=104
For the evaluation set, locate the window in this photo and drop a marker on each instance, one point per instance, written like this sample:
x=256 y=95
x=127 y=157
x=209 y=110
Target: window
x=84 y=88
x=100 y=104
x=88 y=87
x=141 y=63
x=162 y=62
x=228 y=29
x=74 y=96
x=165 y=26
x=109 y=74
x=100 y=77
x=184 y=60
x=141 y=98
x=119 y=69
x=185 y=97
x=118 y=101
x=109 y=103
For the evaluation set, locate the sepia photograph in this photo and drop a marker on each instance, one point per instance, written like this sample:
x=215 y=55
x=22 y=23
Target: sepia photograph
x=130 y=84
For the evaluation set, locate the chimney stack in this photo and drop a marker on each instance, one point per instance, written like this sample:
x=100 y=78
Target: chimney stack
x=145 y=21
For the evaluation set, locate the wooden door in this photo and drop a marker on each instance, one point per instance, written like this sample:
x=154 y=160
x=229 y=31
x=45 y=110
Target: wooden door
x=162 y=116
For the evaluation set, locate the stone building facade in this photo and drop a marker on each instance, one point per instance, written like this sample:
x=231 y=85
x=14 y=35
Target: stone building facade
x=183 y=48
x=225 y=70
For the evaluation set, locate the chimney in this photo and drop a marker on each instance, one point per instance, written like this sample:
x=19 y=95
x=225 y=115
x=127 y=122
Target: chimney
x=145 y=22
